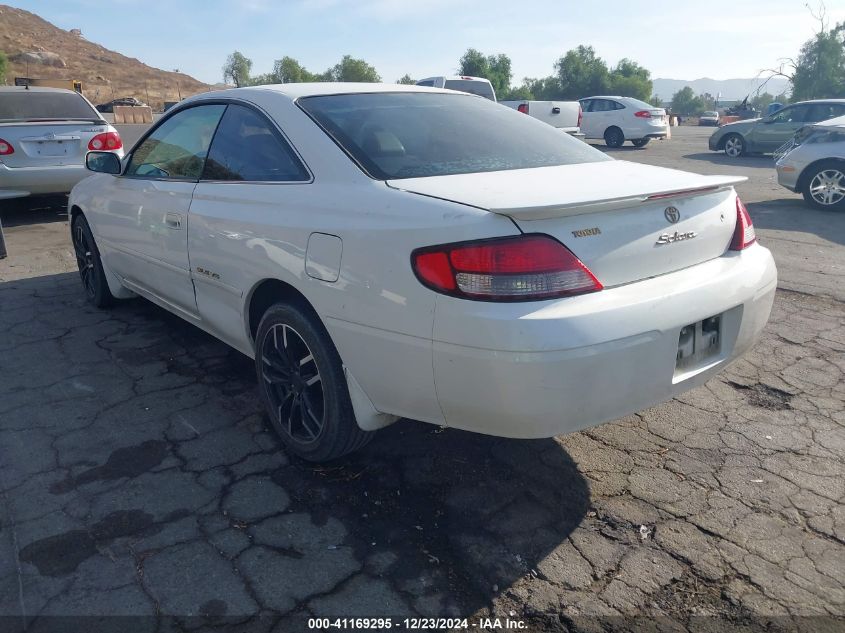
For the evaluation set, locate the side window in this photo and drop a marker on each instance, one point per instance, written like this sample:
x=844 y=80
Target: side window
x=246 y=147
x=794 y=114
x=176 y=149
x=616 y=105
x=427 y=82
x=824 y=111
x=586 y=105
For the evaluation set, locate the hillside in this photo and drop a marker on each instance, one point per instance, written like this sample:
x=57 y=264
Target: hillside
x=36 y=48
x=731 y=89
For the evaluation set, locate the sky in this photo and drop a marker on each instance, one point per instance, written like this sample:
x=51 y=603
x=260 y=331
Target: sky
x=673 y=39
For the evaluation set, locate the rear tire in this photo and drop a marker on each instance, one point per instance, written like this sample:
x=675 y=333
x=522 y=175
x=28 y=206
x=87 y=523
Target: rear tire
x=90 y=266
x=614 y=137
x=824 y=186
x=303 y=385
x=734 y=146
x=640 y=142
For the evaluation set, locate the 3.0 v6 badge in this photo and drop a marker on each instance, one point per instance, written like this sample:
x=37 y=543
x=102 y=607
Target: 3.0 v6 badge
x=677 y=236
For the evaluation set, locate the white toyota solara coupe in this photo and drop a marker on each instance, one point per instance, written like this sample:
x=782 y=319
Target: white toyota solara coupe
x=388 y=251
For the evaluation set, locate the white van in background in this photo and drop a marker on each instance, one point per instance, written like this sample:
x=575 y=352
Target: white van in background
x=564 y=115
x=474 y=85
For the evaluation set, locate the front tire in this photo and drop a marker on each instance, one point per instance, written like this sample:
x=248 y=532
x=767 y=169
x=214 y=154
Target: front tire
x=640 y=142
x=90 y=266
x=824 y=186
x=734 y=146
x=614 y=137
x=303 y=386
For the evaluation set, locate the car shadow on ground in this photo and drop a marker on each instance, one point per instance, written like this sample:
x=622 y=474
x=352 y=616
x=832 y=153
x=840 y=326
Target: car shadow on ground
x=33 y=210
x=448 y=519
x=719 y=158
x=795 y=215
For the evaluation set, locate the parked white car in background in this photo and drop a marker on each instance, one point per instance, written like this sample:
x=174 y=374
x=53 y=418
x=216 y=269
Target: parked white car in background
x=44 y=135
x=464 y=83
x=388 y=251
x=812 y=163
x=564 y=115
x=620 y=119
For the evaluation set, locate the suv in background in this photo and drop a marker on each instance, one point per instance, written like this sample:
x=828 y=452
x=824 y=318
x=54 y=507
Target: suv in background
x=45 y=134
x=766 y=134
x=620 y=119
x=474 y=85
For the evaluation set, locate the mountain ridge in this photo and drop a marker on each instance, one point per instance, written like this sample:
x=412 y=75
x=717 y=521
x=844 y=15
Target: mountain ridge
x=731 y=89
x=37 y=48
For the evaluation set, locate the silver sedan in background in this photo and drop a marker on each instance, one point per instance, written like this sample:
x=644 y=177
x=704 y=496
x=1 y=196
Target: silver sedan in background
x=812 y=163
x=45 y=134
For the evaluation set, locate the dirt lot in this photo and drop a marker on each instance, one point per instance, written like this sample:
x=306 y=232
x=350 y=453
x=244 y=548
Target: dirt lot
x=138 y=475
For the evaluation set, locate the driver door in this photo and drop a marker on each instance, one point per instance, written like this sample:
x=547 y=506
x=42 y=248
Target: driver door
x=774 y=131
x=144 y=223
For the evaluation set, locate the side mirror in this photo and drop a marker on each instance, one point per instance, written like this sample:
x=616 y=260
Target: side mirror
x=102 y=162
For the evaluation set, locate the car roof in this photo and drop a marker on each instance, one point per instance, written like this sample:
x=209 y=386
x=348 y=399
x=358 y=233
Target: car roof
x=817 y=101
x=34 y=89
x=295 y=91
x=604 y=97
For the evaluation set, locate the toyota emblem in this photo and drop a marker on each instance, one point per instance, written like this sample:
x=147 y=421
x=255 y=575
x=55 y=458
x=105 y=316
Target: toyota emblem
x=672 y=214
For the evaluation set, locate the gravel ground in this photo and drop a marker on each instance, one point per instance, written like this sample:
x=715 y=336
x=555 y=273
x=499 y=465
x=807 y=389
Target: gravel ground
x=138 y=476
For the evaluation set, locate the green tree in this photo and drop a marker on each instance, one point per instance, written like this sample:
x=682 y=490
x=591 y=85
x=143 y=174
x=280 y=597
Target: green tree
x=544 y=89
x=406 y=79
x=685 y=102
x=495 y=68
x=2 y=67
x=629 y=79
x=351 y=69
x=582 y=73
x=761 y=101
x=516 y=94
x=819 y=71
x=287 y=70
x=237 y=69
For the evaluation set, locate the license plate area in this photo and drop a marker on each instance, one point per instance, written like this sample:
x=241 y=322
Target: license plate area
x=699 y=343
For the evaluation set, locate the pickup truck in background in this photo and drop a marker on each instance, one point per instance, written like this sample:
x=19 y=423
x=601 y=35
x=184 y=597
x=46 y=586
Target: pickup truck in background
x=564 y=115
x=474 y=85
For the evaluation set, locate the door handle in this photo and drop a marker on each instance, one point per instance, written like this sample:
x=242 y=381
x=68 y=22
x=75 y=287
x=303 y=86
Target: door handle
x=173 y=221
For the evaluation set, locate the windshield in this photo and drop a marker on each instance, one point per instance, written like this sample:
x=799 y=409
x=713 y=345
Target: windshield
x=710 y=114
x=411 y=135
x=27 y=105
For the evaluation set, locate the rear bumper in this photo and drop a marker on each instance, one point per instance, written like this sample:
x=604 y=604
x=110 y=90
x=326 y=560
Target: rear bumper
x=647 y=130
x=539 y=370
x=24 y=181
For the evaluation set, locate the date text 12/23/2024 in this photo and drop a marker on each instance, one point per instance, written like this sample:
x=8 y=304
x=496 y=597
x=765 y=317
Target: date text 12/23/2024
x=415 y=624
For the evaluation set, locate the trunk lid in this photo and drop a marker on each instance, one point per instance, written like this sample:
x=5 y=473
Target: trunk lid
x=614 y=215
x=47 y=144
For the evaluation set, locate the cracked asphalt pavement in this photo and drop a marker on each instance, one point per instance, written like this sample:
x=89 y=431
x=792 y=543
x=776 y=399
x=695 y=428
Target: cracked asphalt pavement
x=139 y=477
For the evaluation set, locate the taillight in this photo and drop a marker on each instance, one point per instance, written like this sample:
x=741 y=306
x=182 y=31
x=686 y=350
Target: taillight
x=6 y=148
x=744 y=235
x=580 y=115
x=105 y=141
x=523 y=268
x=643 y=114
x=522 y=107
